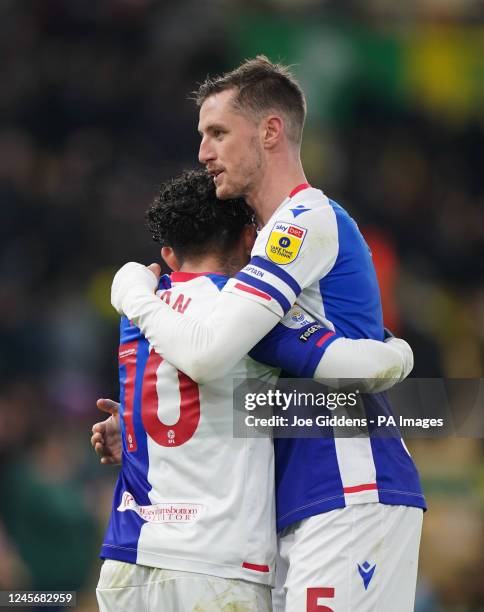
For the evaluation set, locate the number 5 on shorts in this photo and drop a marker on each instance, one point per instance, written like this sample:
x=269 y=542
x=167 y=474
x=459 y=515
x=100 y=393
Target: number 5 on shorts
x=318 y=593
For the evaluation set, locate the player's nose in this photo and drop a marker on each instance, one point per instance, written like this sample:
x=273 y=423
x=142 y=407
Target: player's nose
x=205 y=152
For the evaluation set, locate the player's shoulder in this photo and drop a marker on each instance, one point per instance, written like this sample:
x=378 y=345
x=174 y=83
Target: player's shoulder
x=309 y=200
x=303 y=202
x=307 y=208
x=307 y=216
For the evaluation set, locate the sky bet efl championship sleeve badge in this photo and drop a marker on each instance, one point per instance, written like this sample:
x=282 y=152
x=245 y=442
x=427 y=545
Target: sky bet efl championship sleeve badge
x=285 y=242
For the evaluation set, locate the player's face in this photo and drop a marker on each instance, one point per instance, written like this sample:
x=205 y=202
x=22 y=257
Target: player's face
x=230 y=147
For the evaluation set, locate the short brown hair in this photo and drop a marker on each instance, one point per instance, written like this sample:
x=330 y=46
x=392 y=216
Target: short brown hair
x=261 y=86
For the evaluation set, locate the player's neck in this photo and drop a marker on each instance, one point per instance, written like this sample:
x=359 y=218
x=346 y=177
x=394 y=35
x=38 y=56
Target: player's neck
x=206 y=263
x=278 y=182
x=211 y=264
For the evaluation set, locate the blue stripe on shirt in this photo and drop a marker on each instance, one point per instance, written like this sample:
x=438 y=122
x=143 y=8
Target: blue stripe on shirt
x=350 y=291
x=266 y=288
x=273 y=268
x=289 y=349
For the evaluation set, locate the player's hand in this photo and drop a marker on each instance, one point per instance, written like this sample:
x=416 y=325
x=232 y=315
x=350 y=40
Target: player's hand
x=130 y=279
x=106 y=435
x=156 y=269
x=405 y=352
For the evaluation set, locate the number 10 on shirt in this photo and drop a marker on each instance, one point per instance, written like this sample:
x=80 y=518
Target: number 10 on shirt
x=145 y=404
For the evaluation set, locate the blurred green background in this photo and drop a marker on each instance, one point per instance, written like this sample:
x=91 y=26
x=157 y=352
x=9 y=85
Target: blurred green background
x=95 y=113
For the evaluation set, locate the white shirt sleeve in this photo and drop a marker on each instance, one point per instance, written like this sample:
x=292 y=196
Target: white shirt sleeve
x=209 y=349
x=289 y=255
x=203 y=350
x=370 y=365
x=304 y=348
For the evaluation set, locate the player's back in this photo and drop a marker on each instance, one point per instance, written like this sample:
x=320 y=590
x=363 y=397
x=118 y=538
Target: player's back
x=189 y=496
x=312 y=250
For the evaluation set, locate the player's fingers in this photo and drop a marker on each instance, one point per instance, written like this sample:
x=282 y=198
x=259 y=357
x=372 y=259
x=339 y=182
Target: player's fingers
x=99 y=448
x=99 y=428
x=156 y=269
x=97 y=438
x=108 y=461
x=107 y=405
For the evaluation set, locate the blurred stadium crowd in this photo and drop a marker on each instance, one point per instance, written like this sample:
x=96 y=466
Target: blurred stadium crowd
x=95 y=113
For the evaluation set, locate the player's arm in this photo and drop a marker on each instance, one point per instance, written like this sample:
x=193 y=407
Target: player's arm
x=250 y=305
x=304 y=348
x=204 y=350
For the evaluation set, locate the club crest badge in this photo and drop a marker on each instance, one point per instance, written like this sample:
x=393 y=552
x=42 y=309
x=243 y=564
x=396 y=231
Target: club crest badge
x=285 y=242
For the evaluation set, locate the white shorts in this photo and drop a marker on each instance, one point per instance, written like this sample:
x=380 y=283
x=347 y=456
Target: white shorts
x=124 y=587
x=361 y=558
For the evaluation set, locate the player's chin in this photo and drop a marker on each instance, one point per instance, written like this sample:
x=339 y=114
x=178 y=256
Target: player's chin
x=227 y=190
x=224 y=192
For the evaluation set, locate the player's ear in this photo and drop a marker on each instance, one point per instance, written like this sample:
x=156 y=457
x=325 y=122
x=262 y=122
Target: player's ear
x=273 y=129
x=249 y=234
x=169 y=257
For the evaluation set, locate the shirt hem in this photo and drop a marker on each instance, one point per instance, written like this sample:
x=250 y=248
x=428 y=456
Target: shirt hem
x=388 y=498
x=120 y=553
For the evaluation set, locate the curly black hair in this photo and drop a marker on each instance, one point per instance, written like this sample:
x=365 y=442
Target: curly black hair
x=188 y=217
